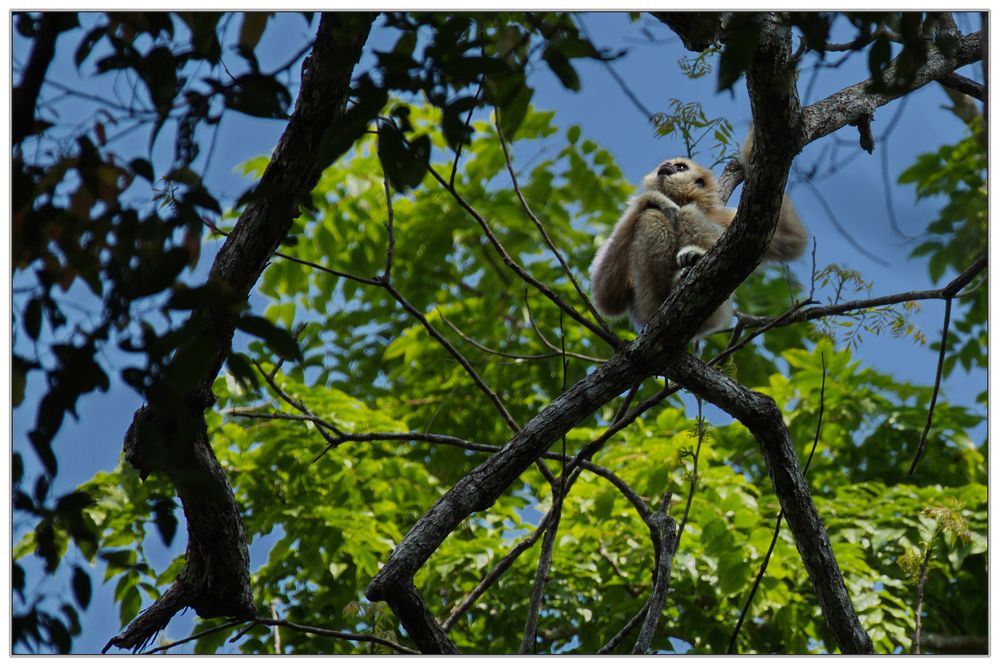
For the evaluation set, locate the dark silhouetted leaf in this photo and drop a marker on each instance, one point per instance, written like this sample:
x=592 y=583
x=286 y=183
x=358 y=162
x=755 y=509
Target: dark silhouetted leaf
x=166 y=521
x=278 y=339
x=33 y=318
x=405 y=163
x=81 y=587
x=258 y=95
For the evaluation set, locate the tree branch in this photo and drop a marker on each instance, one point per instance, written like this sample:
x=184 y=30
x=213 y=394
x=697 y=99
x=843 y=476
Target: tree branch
x=530 y=634
x=963 y=85
x=777 y=522
x=854 y=102
x=919 y=453
x=24 y=98
x=948 y=291
x=666 y=532
x=169 y=434
x=765 y=421
x=545 y=236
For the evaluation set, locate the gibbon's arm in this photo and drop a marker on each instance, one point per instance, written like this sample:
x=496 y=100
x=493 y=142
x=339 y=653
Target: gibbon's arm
x=609 y=274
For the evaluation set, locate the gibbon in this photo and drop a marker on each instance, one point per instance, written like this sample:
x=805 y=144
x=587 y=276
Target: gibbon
x=664 y=232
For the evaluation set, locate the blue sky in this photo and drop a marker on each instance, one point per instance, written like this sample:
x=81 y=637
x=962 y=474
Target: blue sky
x=607 y=117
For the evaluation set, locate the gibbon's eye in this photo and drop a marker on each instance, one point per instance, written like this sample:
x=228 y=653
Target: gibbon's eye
x=700 y=182
x=680 y=166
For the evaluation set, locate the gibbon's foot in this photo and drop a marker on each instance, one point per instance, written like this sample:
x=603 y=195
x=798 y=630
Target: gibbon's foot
x=688 y=256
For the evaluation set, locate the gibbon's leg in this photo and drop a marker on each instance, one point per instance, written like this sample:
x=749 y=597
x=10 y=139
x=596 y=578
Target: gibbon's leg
x=723 y=315
x=698 y=234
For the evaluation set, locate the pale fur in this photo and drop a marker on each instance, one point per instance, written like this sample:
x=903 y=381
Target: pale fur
x=677 y=214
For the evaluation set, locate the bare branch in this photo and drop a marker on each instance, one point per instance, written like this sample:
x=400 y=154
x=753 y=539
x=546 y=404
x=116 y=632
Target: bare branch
x=522 y=272
x=494 y=352
x=614 y=641
x=195 y=636
x=948 y=291
x=921 y=582
x=545 y=236
x=845 y=106
x=497 y=571
x=529 y=637
x=964 y=85
x=332 y=633
x=549 y=344
x=666 y=531
x=765 y=421
x=169 y=433
x=777 y=522
x=919 y=453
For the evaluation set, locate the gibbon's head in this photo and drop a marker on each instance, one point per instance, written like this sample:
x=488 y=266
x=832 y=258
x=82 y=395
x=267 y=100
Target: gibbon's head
x=684 y=181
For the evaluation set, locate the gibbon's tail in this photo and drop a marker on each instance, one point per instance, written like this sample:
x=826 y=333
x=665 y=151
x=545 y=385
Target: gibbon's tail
x=609 y=278
x=789 y=240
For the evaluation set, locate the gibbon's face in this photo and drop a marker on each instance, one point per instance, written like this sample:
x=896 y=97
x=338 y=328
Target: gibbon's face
x=683 y=180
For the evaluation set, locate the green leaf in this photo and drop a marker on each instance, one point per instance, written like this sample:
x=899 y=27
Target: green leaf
x=252 y=29
x=130 y=605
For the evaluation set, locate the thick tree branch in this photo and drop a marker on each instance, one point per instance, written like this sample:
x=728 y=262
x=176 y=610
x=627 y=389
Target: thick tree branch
x=847 y=106
x=169 y=434
x=963 y=85
x=762 y=417
x=24 y=98
x=947 y=643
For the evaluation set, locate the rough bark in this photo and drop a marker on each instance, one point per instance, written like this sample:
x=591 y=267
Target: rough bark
x=765 y=421
x=169 y=435
x=24 y=99
x=847 y=106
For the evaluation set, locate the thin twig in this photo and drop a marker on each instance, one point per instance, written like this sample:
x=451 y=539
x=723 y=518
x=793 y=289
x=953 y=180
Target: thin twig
x=194 y=637
x=468 y=118
x=919 y=453
x=921 y=582
x=602 y=550
x=548 y=343
x=522 y=272
x=545 y=236
x=277 y=635
x=494 y=352
x=624 y=631
x=948 y=291
x=530 y=636
x=496 y=572
x=304 y=262
x=694 y=475
x=846 y=235
x=332 y=633
x=321 y=425
x=772 y=323
x=390 y=217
